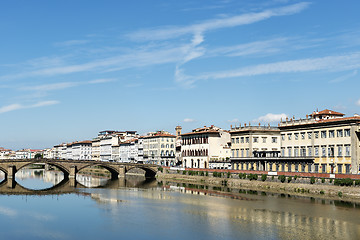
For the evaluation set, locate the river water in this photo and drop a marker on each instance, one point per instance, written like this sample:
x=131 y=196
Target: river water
x=136 y=208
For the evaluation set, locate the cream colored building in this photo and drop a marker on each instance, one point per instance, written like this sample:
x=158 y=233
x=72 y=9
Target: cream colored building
x=327 y=136
x=95 y=149
x=204 y=147
x=251 y=142
x=159 y=148
x=323 y=142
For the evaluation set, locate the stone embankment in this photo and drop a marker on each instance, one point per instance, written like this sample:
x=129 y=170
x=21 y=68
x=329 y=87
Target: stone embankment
x=300 y=186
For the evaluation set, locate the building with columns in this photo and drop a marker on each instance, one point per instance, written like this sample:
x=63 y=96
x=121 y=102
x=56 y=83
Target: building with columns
x=323 y=142
x=204 y=146
x=249 y=143
x=331 y=139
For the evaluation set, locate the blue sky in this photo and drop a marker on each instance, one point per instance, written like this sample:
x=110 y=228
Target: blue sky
x=69 y=69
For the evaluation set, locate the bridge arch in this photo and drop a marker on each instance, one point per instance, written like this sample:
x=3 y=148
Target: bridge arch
x=62 y=168
x=149 y=171
x=114 y=172
x=3 y=170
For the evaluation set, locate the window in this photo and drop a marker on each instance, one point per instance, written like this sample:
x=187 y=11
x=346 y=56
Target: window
x=282 y=152
x=264 y=139
x=237 y=140
x=339 y=168
x=242 y=152
x=247 y=139
x=237 y=152
x=303 y=151
x=347 y=168
x=242 y=139
x=339 y=150
x=283 y=137
x=233 y=152
x=331 y=133
x=256 y=139
x=289 y=136
x=274 y=139
x=247 y=152
x=309 y=151
x=309 y=135
x=323 y=168
x=316 y=168
x=347 y=132
x=303 y=135
x=316 y=134
x=347 y=150
x=339 y=133
x=316 y=150
x=331 y=151
x=296 y=135
x=296 y=151
x=323 y=151
x=323 y=134
x=289 y=151
x=232 y=140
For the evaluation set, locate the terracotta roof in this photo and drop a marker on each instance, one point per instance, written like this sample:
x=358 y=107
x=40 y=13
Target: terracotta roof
x=83 y=142
x=200 y=132
x=159 y=135
x=327 y=112
x=339 y=119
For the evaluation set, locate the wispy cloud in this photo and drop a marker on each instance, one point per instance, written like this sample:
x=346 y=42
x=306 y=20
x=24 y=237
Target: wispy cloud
x=17 y=106
x=136 y=58
x=257 y=47
x=64 y=85
x=345 y=77
x=330 y=63
x=133 y=85
x=271 y=118
x=213 y=24
x=358 y=102
x=235 y=120
x=189 y=120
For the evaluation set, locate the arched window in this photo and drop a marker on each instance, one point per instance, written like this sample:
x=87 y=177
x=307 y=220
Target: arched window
x=172 y=146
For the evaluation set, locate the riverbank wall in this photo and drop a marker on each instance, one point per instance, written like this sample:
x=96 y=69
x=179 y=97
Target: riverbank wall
x=291 y=183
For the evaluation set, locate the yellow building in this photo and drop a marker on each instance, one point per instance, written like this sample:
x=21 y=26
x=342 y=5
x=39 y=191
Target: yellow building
x=251 y=145
x=323 y=142
x=327 y=136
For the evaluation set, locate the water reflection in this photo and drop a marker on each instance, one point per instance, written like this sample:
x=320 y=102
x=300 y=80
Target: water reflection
x=139 y=208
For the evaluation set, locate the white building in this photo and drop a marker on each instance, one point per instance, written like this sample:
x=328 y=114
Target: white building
x=81 y=150
x=109 y=143
x=159 y=148
x=205 y=145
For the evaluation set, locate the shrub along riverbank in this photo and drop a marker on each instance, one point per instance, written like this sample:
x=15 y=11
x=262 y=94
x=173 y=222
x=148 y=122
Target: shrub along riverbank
x=333 y=188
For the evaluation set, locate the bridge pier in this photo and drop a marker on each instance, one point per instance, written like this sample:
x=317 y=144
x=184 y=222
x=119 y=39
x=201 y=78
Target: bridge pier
x=73 y=171
x=72 y=182
x=121 y=172
x=11 y=172
x=11 y=183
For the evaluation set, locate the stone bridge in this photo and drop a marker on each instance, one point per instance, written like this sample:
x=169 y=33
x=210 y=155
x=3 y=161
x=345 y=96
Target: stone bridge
x=67 y=186
x=71 y=167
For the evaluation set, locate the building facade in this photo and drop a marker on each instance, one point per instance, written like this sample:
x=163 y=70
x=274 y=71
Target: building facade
x=327 y=136
x=82 y=150
x=159 y=148
x=205 y=146
x=323 y=142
